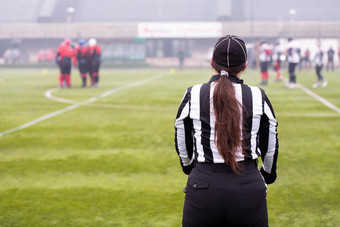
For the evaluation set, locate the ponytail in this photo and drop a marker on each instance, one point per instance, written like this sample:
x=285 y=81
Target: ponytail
x=228 y=117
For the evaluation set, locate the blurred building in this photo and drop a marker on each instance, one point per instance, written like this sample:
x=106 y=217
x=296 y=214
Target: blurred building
x=23 y=11
x=133 y=30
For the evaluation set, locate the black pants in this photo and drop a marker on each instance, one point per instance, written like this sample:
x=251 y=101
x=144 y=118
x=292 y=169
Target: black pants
x=291 y=71
x=66 y=65
x=318 y=69
x=330 y=64
x=264 y=66
x=95 y=67
x=217 y=197
x=85 y=67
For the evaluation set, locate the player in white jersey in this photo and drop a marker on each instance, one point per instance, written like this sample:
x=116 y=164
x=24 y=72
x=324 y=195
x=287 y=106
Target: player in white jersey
x=266 y=52
x=318 y=68
x=293 y=55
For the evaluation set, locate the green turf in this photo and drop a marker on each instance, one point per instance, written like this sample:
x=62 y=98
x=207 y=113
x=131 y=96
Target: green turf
x=113 y=163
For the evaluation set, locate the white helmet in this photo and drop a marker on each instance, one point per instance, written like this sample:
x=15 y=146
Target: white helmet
x=92 y=42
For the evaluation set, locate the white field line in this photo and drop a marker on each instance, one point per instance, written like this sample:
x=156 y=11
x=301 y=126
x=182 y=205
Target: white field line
x=88 y=101
x=133 y=107
x=320 y=99
x=48 y=94
x=317 y=97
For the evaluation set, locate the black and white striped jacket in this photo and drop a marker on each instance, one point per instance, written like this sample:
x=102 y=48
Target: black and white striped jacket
x=195 y=123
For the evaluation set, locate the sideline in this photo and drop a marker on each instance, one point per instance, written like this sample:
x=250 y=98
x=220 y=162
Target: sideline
x=319 y=98
x=315 y=96
x=90 y=100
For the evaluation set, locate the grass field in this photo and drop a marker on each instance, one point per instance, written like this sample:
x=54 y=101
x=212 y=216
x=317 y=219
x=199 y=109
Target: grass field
x=110 y=161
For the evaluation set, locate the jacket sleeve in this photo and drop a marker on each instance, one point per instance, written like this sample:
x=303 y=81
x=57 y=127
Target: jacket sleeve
x=184 y=134
x=268 y=141
x=57 y=57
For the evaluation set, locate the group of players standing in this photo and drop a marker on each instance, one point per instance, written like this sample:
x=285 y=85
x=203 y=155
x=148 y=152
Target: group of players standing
x=292 y=54
x=85 y=55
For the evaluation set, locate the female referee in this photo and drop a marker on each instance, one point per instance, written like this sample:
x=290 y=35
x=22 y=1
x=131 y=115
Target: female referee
x=222 y=128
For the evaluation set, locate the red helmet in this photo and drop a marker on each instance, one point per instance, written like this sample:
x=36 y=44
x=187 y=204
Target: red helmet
x=67 y=42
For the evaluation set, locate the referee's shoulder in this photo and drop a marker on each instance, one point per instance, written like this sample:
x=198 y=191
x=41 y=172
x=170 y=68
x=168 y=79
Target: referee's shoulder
x=195 y=87
x=253 y=88
x=256 y=91
x=256 y=88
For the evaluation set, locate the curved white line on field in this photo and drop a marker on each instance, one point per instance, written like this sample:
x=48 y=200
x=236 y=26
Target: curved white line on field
x=86 y=102
x=132 y=107
x=48 y=94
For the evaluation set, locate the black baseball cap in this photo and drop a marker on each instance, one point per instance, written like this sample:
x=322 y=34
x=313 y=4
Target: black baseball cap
x=230 y=51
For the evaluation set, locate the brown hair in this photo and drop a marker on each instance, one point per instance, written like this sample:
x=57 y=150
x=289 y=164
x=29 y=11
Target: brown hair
x=228 y=116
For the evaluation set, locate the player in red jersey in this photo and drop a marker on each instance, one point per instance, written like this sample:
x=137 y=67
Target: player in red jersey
x=62 y=83
x=277 y=54
x=84 y=60
x=66 y=54
x=95 y=52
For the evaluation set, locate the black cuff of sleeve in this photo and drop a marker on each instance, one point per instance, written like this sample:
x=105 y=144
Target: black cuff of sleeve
x=269 y=178
x=187 y=169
